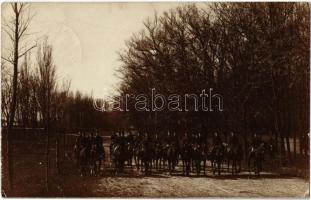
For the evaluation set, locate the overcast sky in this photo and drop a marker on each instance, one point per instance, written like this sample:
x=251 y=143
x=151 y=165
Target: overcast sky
x=86 y=38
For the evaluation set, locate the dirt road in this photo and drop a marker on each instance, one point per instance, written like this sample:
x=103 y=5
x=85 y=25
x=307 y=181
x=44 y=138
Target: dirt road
x=134 y=184
x=164 y=185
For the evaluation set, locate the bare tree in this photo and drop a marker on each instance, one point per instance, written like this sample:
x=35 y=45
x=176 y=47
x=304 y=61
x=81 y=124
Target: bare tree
x=16 y=28
x=47 y=86
x=6 y=93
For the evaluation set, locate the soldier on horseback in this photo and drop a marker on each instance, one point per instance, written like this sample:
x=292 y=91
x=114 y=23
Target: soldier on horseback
x=256 y=141
x=99 y=143
x=217 y=154
x=147 y=154
x=233 y=140
x=78 y=146
x=256 y=154
x=234 y=153
x=217 y=141
x=98 y=152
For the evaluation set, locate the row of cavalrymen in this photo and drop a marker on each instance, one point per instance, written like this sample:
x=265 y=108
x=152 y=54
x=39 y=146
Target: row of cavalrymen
x=128 y=138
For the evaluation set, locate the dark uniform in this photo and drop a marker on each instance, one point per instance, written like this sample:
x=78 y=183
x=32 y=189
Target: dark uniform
x=98 y=141
x=217 y=140
x=234 y=140
x=256 y=141
x=99 y=145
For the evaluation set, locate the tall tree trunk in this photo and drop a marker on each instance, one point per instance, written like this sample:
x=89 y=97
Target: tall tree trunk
x=13 y=102
x=245 y=134
x=57 y=153
x=47 y=139
x=47 y=158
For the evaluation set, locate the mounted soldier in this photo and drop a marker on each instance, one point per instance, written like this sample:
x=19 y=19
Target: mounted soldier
x=233 y=140
x=217 y=141
x=98 y=141
x=217 y=154
x=78 y=146
x=256 y=141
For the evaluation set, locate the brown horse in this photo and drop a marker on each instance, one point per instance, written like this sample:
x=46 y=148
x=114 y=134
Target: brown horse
x=256 y=154
x=234 y=154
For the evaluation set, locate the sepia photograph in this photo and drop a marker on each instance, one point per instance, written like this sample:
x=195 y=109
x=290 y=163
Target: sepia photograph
x=155 y=99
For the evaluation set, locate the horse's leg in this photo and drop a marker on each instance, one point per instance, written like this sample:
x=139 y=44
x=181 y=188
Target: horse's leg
x=138 y=163
x=143 y=164
x=259 y=166
x=240 y=165
x=99 y=166
x=204 y=166
x=213 y=166
x=183 y=167
x=135 y=160
x=233 y=165
x=199 y=167
x=189 y=166
x=219 y=167
x=249 y=164
x=170 y=166
x=255 y=165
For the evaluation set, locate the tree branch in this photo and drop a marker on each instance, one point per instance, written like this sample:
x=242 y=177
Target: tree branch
x=8 y=60
x=27 y=51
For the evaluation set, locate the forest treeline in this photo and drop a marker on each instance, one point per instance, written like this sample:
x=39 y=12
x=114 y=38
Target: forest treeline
x=43 y=95
x=256 y=55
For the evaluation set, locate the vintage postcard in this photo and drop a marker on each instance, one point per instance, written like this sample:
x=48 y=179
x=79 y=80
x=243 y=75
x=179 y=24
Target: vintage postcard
x=155 y=99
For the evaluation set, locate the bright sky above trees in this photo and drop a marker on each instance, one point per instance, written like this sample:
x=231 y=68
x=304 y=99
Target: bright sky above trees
x=86 y=38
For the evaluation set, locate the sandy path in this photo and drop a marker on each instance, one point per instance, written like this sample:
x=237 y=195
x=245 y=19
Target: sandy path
x=179 y=186
x=161 y=184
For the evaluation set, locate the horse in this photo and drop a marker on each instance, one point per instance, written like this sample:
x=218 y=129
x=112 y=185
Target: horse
x=146 y=157
x=158 y=156
x=234 y=154
x=196 y=157
x=199 y=154
x=186 y=154
x=217 y=157
x=96 y=157
x=82 y=161
x=117 y=157
x=172 y=157
x=128 y=153
x=92 y=161
x=257 y=155
x=138 y=154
